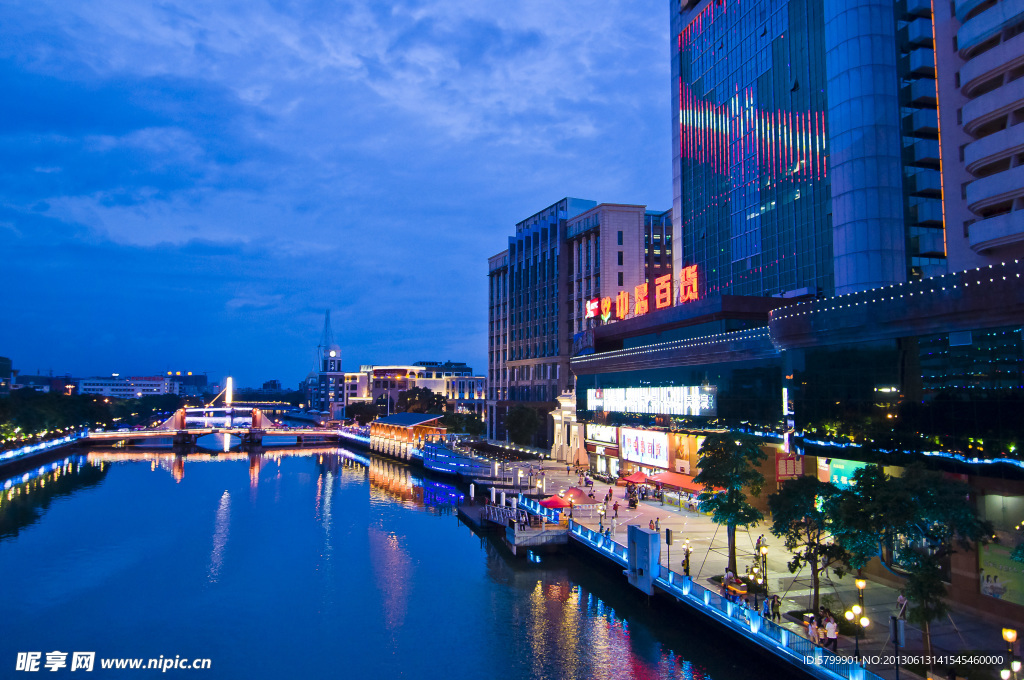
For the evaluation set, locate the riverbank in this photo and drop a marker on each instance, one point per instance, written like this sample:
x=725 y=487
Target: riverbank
x=962 y=633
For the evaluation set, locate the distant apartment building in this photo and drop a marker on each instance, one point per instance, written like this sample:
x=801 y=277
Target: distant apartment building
x=383 y=384
x=127 y=388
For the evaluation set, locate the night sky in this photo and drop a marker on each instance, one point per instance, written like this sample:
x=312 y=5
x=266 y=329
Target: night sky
x=189 y=185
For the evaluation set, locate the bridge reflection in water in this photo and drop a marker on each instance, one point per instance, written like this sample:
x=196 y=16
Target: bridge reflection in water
x=341 y=562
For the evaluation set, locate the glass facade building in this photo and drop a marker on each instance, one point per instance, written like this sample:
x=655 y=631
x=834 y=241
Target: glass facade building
x=750 y=147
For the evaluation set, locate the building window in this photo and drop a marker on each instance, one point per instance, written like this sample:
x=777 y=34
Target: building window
x=620 y=238
x=620 y=279
x=620 y=260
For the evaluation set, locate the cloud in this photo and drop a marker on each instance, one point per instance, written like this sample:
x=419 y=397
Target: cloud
x=257 y=162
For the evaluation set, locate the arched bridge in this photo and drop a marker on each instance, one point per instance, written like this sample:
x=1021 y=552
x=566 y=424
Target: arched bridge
x=186 y=425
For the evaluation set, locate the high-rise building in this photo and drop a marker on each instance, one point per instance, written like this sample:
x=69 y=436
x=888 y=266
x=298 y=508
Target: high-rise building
x=979 y=54
x=567 y=267
x=806 y=145
x=529 y=334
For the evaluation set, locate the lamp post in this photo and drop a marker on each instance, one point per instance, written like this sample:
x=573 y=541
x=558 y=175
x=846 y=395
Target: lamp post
x=857 y=612
x=764 y=568
x=1013 y=666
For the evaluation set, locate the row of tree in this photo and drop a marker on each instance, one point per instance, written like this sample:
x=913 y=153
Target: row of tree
x=28 y=412
x=918 y=519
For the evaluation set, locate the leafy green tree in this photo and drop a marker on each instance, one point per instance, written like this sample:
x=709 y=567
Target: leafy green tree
x=362 y=412
x=420 y=400
x=728 y=464
x=924 y=517
x=521 y=423
x=466 y=423
x=802 y=515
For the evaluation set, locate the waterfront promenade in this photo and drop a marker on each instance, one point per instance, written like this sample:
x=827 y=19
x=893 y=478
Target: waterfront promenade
x=962 y=632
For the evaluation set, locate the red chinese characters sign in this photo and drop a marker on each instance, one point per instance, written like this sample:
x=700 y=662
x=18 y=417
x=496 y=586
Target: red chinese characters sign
x=661 y=291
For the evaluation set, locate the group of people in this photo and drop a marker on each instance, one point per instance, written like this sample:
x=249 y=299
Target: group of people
x=770 y=608
x=824 y=630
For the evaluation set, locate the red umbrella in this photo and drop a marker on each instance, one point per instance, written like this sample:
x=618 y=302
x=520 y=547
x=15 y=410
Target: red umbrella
x=579 y=497
x=636 y=478
x=555 y=503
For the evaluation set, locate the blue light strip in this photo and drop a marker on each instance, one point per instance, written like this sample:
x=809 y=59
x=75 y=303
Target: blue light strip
x=36 y=448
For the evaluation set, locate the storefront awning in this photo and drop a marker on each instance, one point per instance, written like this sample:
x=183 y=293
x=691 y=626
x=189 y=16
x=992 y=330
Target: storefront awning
x=676 y=480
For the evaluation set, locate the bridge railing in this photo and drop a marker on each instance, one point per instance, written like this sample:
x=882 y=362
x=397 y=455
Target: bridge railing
x=534 y=507
x=788 y=644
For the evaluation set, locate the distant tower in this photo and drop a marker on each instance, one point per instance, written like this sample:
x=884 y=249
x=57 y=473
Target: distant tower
x=328 y=394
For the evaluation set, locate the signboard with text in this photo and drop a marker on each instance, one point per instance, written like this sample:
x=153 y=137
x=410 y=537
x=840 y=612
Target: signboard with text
x=644 y=447
x=679 y=400
x=788 y=466
x=606 y=434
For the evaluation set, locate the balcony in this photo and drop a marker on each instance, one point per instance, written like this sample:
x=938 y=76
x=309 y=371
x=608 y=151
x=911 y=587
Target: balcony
x=921 y=93
x=920 y=63
x=926 y=212
x=924 y=182
x=918 y=33
x=921 y=123
x=924 y=153
x=916 y=8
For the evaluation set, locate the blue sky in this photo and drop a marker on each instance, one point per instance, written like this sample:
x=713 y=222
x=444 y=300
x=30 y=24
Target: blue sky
x=189 y=185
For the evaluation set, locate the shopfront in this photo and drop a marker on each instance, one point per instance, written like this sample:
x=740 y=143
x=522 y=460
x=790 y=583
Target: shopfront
x=602 y=444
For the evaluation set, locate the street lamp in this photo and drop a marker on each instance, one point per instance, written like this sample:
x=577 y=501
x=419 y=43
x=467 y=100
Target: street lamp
x=764 y=568
x=857 y=612
x=1010 y=636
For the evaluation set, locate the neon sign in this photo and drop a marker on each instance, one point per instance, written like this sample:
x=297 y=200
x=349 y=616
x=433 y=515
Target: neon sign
x=619 y=306
x=679 y=400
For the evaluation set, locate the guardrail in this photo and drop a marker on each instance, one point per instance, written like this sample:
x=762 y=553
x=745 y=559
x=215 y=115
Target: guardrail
x=784 y=643
x=534 y=507
x=31 y=449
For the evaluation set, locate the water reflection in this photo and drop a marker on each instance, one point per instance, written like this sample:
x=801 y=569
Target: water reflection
x=358 y=567
x=26 y=497
x=220 y=536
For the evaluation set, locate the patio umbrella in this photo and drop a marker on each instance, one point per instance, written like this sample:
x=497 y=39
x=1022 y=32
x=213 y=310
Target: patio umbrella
x=636 y=478
x=555 y=503
x=579 y=496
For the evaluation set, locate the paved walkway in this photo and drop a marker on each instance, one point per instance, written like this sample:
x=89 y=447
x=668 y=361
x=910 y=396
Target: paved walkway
x=710 y=556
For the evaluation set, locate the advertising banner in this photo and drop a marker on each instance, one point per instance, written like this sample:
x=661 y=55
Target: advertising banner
x=1001 y=576
x=679 y=400
x=840 y=472
x=606 y=434
x=644 y=447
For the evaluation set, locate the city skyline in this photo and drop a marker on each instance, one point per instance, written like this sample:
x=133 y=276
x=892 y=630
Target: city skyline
x=194 y=189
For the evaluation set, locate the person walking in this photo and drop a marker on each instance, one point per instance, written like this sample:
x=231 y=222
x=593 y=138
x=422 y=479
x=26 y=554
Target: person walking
x=657 y=524
x=651 y=525
x=812 y=630
x=615 y=508
x=766 y=608
x=776 y=609
x=832 y=634
x=901 y=603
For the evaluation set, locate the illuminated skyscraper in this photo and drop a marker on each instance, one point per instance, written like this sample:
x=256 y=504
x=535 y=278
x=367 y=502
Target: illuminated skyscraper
x=805 y=145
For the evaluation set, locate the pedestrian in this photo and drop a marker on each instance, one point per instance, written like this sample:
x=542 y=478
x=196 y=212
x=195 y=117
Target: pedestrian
x=812 y=629
x=901 y=603
x=567 y=468
x=651 y=525
x=776 y=609
x=615 y=507
x=657 y=524
x=832 y=634
x=766 y=608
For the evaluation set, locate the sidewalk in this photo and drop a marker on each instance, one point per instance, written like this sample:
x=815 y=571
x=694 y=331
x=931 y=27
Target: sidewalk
x=710 y=556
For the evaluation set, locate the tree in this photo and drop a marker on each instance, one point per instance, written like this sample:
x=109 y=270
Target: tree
x=467 y=423
x=802 y=514
x=923 y=517
x=728 y=463
x=522 y=423
x=362 y=412
x=420 y=400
